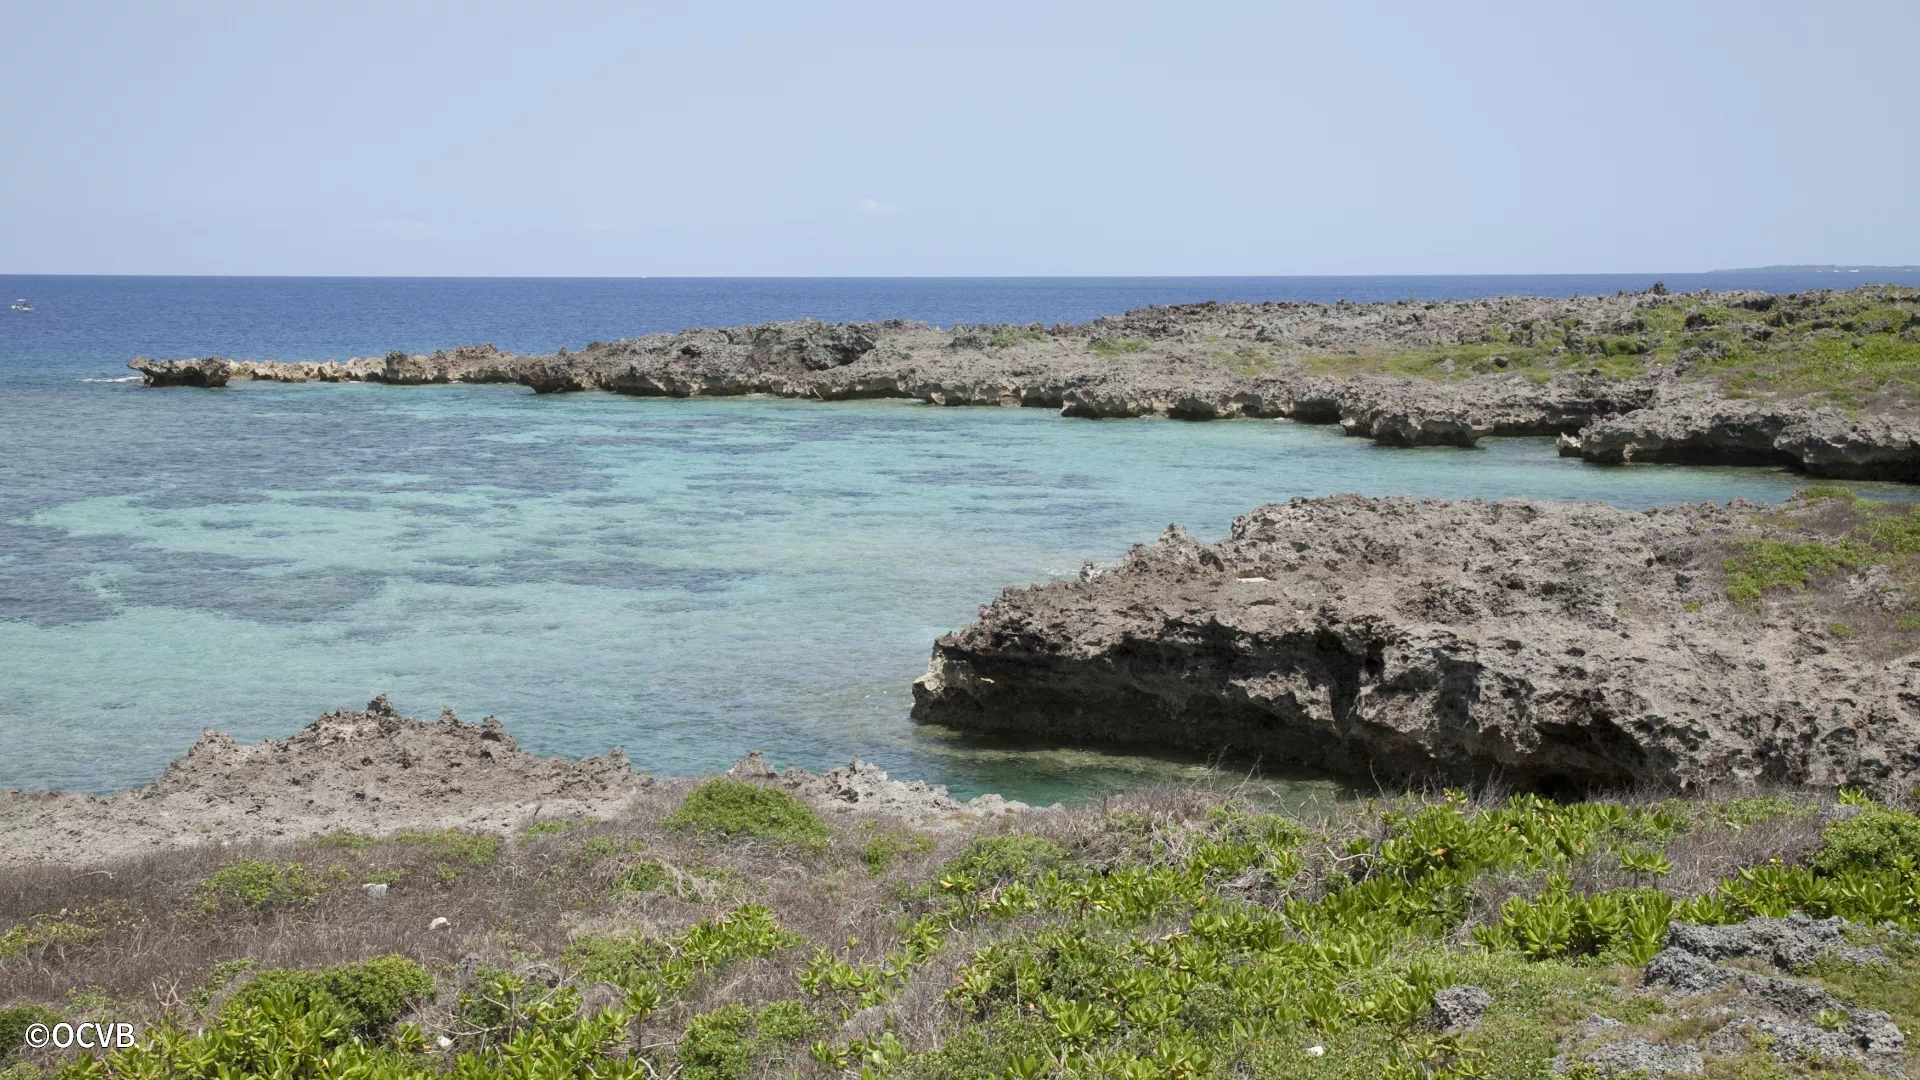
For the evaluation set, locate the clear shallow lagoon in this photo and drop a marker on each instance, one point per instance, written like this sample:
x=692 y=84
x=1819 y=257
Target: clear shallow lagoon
x=688 y=579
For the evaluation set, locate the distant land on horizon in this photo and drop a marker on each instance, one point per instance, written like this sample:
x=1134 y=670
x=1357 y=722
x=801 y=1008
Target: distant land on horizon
x=1817 y=268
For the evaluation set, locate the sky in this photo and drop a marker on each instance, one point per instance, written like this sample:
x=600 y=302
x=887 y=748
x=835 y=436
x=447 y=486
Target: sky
x=983 y=138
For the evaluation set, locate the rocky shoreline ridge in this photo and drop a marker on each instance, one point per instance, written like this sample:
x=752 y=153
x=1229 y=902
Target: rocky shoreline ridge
x=1526 y=366
x=373 y=771
x=1548 y=646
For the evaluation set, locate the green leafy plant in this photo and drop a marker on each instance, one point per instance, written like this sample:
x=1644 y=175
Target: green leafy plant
x=369 y=996
x=723 y=1044
x=1875 y=839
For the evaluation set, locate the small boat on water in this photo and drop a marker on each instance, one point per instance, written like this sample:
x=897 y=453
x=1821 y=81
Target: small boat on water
x=22 y=305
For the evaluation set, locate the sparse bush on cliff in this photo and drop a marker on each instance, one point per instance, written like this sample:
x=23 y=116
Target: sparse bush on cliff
x=451 y=853
x=1116 y=346
x=344 y=841
x=738 y=808
x=1824 y=531
x=1787 y=564
x=643 y=877
x=258 y=886
x=887 y=845
x=552 y=827
x=55 y=929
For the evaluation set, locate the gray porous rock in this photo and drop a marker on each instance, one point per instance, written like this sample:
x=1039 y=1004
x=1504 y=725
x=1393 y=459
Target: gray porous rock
x=1786 y=944
x=1211 y=361
x=1685 y=973
x=368 y=770
x=1695 y=427
x=206 y=373
x=865 y=786
x=1546 y=645
x=1459 y=1008
x=1794 y=1018
x=1635 y=1057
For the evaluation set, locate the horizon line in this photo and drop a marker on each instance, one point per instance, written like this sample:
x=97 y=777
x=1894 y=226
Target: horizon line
x=1778 y=268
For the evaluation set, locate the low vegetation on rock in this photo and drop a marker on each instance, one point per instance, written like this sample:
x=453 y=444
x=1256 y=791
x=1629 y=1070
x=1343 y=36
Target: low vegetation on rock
x=1811 y=539
x=1846 y=348
x=738 y=808
x=1163 y=935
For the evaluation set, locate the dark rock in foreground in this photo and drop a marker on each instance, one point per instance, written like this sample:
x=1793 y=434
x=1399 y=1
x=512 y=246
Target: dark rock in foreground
x=1546 y=645
x=205 y=372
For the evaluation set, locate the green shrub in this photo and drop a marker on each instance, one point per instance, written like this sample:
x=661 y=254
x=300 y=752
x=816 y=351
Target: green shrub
x=990 y=859
x=551 y=828
x=643 y=877
x=1871 y=841
x=1738 y=813
x=1107 y=346
x=884 y=848
x=1626 y=925
x=1787 y=564
x=602 y=847
x=787 y=1021
x=723 y=1044
x=1013 y=335
x=14 y=1023
x=451 y=853
x=65 y=928
x=737 y=808
x=258 y=886
x=716 y=1045
x=370 y=995
x=667 y=967
x=614 y=958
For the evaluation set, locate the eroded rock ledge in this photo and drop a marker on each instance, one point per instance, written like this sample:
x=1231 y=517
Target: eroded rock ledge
x=1298 y=361
x=1545 y=645
x=373 y=771
x=1699 y=429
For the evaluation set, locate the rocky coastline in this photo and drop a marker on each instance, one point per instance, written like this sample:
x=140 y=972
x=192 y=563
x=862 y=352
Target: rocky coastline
x=1548 y=646
x=1636 y=377
x=374 y=771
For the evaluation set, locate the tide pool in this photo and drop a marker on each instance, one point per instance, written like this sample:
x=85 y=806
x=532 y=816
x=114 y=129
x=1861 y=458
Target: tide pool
x=687 y=579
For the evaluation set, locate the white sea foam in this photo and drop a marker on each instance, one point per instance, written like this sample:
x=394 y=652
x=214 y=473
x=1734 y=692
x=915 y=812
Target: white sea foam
x=123 y=378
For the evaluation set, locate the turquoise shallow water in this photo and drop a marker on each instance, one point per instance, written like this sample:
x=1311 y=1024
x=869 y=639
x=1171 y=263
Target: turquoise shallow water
x=689 y=579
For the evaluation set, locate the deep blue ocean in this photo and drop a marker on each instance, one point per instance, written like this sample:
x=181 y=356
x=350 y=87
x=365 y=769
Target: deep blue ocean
x=688 y=579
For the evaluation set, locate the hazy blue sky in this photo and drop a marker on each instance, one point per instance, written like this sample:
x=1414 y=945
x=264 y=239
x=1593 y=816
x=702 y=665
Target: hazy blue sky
x=976 y=138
